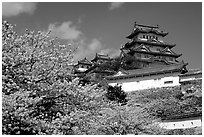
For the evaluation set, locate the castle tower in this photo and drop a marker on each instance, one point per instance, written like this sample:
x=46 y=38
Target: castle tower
x=147 y=48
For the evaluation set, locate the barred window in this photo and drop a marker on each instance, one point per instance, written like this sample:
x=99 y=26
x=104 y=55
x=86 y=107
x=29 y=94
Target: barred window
x=168 y=82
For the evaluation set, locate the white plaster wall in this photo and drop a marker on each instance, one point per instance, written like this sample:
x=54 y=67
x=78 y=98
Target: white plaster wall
x=181 y=124
x=189 y=79
x=82 y=69
x=135 y=84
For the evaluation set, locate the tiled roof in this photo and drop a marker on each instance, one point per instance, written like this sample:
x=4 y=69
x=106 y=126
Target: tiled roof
x=153 y=70
x=191 y=72
x=146 y=26
x=150 y=60
x=146 y=29
x=97 y=69
x=157 y=43
x=157 y=53
x=84 y=61
x=101 y=56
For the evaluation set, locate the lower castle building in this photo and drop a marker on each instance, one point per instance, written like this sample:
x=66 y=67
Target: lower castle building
x=147 y=78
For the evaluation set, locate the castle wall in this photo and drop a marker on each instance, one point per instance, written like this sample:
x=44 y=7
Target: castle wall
x=181 y=124
x=191 y=77
x=147 y=82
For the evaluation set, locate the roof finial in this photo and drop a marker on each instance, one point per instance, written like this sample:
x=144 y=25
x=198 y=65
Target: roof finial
x=134 y=28
x=135 y=24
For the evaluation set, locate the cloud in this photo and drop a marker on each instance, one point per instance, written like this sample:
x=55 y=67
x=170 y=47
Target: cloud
x=110 y=52
x=71 y=32
x=85 y=47
x=66 y=31
x=115 y=5
x=15 y=8
x=88 y=49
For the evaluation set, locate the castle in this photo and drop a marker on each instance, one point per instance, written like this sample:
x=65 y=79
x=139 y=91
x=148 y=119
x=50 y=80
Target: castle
x=145 y=61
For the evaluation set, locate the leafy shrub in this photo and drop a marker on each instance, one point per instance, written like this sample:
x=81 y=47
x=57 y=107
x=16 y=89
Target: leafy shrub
x=116 y=94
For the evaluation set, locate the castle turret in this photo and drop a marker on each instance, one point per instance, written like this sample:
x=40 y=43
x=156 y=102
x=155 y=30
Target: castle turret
x=82 y=66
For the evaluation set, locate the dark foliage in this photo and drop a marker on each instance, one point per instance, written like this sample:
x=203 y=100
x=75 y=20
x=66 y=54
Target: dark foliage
x=116 y=94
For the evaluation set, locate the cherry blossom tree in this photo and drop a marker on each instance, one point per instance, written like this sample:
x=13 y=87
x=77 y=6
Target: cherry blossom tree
x=40 y=96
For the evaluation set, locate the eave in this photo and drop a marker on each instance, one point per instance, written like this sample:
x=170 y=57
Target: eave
x=131 y=36
x=153 y=43
x=157 y=53
x=150 y=71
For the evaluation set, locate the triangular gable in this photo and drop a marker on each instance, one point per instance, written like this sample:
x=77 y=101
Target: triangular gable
x=142 y=48
x=85 y=61
x=161 y=60
x=121 y=73
x=168 y=51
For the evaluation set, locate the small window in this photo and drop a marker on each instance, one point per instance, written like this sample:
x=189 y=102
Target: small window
x=168 y=82
x=144 y=36
x=156 y=38
x=158 y=49
x=146 y=56
x=170 y=58
x=157 y=79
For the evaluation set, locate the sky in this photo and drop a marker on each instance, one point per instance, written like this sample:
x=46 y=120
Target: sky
x=102 y=27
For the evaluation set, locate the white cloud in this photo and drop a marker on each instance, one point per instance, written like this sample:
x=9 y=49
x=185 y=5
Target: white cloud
x=66 y=31
x=115 y=5
x=15 y=8
x=85 y=47
x=88 y=49
x=95 y=45
x=71 y=32
x=111 y=52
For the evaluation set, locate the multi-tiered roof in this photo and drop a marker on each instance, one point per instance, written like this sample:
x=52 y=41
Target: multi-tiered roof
x=147 y=48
